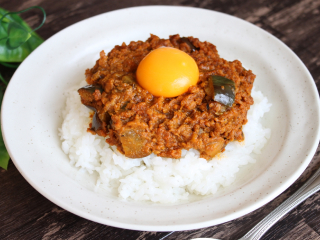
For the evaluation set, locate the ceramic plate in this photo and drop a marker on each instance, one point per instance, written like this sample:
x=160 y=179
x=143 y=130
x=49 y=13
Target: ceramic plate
x=31 y=115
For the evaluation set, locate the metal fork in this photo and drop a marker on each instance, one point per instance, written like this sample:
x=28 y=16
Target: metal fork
x=309 y=188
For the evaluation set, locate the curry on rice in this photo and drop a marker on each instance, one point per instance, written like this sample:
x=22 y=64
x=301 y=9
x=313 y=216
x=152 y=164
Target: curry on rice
x=139 y=123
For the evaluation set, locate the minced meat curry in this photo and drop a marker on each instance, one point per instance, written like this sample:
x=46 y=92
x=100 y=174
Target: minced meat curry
x=139 y=123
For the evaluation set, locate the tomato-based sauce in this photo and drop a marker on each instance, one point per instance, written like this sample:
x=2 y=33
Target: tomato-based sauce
x=139 y=123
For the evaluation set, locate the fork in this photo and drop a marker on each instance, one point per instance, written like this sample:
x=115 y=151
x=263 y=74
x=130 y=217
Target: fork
x=308 y=189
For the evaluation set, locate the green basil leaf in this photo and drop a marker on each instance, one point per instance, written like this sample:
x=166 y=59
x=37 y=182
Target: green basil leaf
x=10 y=65
x=17 y=35
x=20 y=53
x=17 y=41
x=224 y=90
x=4 y=156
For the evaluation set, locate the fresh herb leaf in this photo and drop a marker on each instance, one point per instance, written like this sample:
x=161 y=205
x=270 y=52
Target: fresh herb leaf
x=17 y=35
x=5 y=82
x=224 y=90
x=4 y=156
x=10 y=65
x=17 y=39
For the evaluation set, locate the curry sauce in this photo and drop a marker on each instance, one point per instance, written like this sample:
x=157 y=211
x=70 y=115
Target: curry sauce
x=139 y=123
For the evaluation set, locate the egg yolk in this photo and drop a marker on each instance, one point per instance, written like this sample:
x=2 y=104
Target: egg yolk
x=167 y=72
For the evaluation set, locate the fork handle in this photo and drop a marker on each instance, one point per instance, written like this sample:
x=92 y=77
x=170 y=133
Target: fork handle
x=309 y=188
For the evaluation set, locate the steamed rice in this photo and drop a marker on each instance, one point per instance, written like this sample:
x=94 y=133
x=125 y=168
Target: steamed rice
x=155 y=178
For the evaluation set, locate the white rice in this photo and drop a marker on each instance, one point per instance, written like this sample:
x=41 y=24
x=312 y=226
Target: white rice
x=155 y=178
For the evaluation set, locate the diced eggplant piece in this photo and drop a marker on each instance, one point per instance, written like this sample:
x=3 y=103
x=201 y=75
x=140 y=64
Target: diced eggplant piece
x=92 y=88
x=214 y=147
x=96 y=122
x=224 y=90
x=187 y=41
x=87 y=93
x=88 y=96
x=107 y=118
x=133 y=143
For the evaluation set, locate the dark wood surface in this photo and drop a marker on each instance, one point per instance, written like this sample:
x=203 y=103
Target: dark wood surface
x=25 y=214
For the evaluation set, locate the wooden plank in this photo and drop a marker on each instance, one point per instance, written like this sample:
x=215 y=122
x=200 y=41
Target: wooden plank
x=302 y=232
x=25 y=214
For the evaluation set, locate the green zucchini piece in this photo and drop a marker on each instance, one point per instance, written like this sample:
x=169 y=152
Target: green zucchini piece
x=224 y=90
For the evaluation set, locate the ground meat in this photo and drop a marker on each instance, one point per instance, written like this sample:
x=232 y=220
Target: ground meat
x=139 y=123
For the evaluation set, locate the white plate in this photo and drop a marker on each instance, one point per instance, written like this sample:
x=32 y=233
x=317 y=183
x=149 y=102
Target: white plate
x=31 y=115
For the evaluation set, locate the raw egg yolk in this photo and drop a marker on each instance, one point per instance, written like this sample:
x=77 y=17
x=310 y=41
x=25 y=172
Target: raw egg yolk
x=167 y=72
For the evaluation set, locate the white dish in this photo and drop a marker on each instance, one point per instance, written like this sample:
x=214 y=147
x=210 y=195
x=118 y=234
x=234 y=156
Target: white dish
x=31 y=115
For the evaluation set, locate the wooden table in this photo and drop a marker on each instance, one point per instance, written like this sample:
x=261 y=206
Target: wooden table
x=25 y=214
